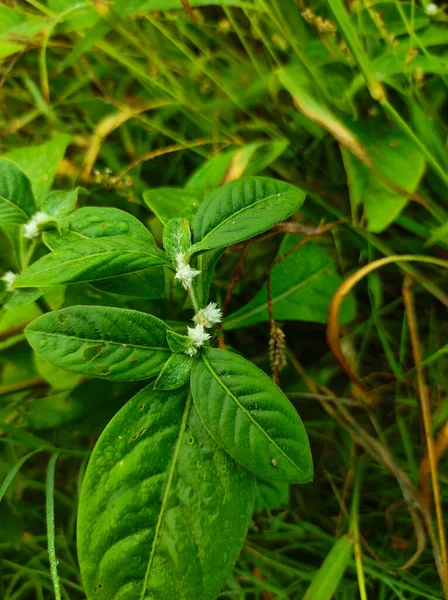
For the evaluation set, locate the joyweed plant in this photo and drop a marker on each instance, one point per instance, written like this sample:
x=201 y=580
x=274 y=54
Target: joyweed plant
x=138 y=112
x=168 y=494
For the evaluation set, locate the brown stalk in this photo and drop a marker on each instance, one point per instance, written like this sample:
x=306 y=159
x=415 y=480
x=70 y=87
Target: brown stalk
x=333 y=329
x=425 y=401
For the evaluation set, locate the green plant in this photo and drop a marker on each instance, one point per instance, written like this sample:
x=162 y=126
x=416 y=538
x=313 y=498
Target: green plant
x=147 y=104
x=175 y=468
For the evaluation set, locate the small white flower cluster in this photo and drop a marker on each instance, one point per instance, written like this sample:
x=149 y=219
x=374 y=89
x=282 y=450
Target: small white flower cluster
x=208 y=316
x=184 y=273
x=9 y=277
x=31 y=229
x=431 y=9
x=204 y=318
x=198 y=336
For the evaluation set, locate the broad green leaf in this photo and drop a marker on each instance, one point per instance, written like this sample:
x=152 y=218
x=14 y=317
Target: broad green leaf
x=175 y=373
x=170 y=202
x=396 y=164
x=302 y=286
x=91 y=260
x=249 y=159
x=205 y=263
x=389 y=20
x=98 y=222
x=177 y=342
x=308 y=101
x=16 y=195
x=163 y=511
x=113 y=343
x=250 y=417
x=211 y=173
x=60 y=203
x=22 y=297
x=241 y=209
x=270 y=494
x=95 y=222
x=328 y=577
x=40 y=163
x=176 y=237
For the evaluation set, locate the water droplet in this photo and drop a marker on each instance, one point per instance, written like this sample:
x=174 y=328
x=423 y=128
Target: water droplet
x=190 y=440
x=274 y=462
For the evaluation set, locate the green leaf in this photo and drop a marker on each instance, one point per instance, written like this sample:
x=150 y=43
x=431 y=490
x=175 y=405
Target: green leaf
x=156 y=499
x=60 y=203
x=205 y=263
x=91 y=260
x=175 y=373
x=22 y=297
x=178 y=343
x=95 y=222
x=302 y=287
x=241 y=209
x=170 y=202
x=396 y=163
x=98 y=222
x=250 y=417
x=16 y=195
x=176 y=237
x=328 y=577
x=112 y=343
x=249 y=159
x=389 y=19
x=40 y=163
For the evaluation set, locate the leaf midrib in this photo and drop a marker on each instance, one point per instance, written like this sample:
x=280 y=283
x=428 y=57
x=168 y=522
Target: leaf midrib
x=166 y=494
x=235 y=214
x=79 y=339
x=246 y=412
x=285 y=294
x=69 y=262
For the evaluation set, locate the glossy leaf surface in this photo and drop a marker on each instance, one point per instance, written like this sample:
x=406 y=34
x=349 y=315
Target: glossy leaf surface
x=170 y=202
x=16 y=195
x=302 y=287
x=175 y=373
x=250 y=417
x=163 y=510
x=90 y=260
x=113 y=343
x=94 y=222
x=98 y=222
x=241 y=209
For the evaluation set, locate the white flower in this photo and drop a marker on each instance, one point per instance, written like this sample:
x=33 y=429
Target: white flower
x=431 y=9
x=208 y=316
x=9 y=277
x=197 y=336
x=31 y=229
x=184 y=273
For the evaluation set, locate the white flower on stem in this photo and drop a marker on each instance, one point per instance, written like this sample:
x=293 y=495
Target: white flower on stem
x=31 y=229
x=9 y=277
x=208 y=316
x=184 y=273
x=431 y=9
x=198 y=336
